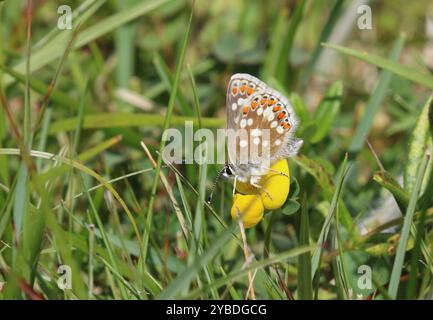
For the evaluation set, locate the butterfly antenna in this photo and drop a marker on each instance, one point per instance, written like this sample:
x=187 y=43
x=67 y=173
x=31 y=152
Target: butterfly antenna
x=209 y=199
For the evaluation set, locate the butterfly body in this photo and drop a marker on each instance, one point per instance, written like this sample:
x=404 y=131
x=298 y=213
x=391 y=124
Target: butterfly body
x=261 y=123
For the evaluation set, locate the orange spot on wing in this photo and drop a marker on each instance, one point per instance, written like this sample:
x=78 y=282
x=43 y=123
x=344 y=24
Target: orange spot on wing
x=271 y=101
x=250 y=90
x=263 y=101
x=243 y=88
x=286 y=126
x=235 y=91
x=281 y=115
x=276 y=108
x=254 y=104
x=245 y=110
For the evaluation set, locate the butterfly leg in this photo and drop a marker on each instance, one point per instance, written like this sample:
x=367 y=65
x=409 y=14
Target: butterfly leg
x=276 y=171
x=234 y=185
x=254 y=182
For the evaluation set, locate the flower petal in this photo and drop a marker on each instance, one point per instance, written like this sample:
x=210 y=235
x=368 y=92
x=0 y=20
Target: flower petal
x=250 y=208
x=246 y=188
x=277 y=185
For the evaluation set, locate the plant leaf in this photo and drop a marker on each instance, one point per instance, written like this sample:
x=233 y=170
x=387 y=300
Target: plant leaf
x=403 y=71
x=119 y=119
x=327 y=111
x=417 y=146
x=387 y=181
x=375 y=100
x=404 y=237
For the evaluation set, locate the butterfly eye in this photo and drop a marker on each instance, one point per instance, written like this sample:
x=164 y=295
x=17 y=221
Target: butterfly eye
x=227 y=172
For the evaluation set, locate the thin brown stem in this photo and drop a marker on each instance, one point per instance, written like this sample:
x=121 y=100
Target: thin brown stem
x=246 y=250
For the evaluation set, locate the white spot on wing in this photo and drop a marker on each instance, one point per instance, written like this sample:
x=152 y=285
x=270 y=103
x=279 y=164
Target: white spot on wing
x=250 y=121
x=234 y=106
x=277 y=142
x=256 y=132
x=274 y=124
x=271 y=117
x=280 y=130
x=243 y=123
x=243 y=143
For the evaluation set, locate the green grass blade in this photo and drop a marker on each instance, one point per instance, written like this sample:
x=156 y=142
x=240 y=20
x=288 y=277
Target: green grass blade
x=80 y=116
x=340 y=260
x=79 y=15
x=81 y=167
x=268 y=234
x=329 y=217
x=270 y=64
x=283 y=59
x=375 y=100
x=21 y=201
x=49 y=53
x=125 y=120
x=403 y=71
x=167 y=79
x=305 y=289
x=82 y=157
x=414 y=262
x=418 y=146
x=124 y=42
x=281 y=43
x=167 y=121
x=183 y=279
x=43 y=136
x=119 y=277
x=324 y=180
x=113 y=263
x=327 y=111
x=387 y=181
x=41 y=88
x=324 y=36
x=241 y=272
x=195 y=97
x=404 y=237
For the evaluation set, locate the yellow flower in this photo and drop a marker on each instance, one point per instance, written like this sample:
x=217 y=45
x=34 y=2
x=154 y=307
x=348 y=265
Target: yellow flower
x=250 y=207
x=272 y=195
x=276 y=186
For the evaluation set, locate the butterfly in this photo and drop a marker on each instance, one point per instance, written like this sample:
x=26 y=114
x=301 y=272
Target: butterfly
x=268 y=122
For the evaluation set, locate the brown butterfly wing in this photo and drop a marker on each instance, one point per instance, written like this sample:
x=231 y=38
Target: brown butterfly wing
x=267 y=117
